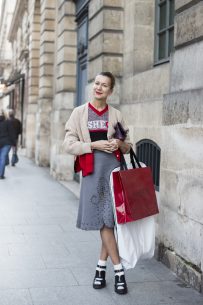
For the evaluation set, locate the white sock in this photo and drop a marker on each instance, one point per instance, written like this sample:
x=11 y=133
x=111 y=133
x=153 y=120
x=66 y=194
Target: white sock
x=102 y=263
x=118 y=267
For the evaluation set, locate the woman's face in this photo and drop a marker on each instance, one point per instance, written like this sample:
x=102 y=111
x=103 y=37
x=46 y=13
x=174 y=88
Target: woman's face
x=102 y=87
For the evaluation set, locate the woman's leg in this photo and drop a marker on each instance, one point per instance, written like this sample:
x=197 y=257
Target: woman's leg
x=103 y=253
x=99 y=279
x=109 y=245
x=108 y=248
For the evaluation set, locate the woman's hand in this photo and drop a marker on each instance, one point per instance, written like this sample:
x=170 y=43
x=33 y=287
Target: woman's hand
x=104 y=145
x=110 y=146
x=123 y=146
x=115 y=144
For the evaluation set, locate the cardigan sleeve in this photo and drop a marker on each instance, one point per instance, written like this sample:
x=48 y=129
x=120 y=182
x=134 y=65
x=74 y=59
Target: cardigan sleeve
x=72 y=143
x=123 y=123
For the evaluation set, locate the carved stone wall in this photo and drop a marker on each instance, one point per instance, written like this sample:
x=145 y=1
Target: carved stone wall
x=164 y=103
x=189 y=24
x=182 y=133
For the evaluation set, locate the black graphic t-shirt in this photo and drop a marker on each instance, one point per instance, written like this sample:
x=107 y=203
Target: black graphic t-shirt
x=97 y=123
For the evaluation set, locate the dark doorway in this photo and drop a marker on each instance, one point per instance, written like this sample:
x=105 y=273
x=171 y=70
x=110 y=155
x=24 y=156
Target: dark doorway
x=149 y=153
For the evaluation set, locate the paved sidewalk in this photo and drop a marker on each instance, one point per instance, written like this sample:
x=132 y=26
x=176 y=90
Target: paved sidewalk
x=45 y=260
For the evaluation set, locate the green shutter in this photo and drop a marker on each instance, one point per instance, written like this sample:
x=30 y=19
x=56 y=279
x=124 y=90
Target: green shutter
x=164 y=30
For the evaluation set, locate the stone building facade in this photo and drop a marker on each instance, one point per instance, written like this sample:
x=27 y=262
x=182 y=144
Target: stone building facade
x=6 y=14
x=154 y=48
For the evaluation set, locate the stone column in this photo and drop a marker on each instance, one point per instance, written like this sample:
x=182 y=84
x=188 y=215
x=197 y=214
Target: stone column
x=182 y=165
x=65 y=80
x=138 y=37
x=106 y=39
x=47 y=46
x=33 y=77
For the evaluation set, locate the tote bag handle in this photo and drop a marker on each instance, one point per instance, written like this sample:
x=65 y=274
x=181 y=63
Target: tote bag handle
x=133 y=159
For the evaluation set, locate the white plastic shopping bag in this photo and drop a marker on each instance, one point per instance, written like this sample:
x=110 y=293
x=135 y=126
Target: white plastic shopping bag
x=135 y=240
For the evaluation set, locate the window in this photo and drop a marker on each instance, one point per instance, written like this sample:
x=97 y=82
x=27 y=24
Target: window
x=149 y=153
x=164 y=30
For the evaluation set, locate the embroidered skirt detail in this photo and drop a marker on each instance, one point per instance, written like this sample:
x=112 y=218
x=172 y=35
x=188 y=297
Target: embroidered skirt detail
x=95 y=205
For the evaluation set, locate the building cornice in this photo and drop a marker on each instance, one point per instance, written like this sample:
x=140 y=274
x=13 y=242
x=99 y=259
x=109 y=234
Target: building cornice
x=21 y=6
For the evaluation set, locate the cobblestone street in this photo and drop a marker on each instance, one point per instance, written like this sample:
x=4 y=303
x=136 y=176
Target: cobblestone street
x=45 y=260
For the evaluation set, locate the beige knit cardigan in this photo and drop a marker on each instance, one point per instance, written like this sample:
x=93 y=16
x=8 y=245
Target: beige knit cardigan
x=77 y=139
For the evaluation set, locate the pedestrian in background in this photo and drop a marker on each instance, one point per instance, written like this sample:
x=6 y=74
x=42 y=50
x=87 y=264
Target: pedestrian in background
x=90 y=135
x=18 y=131
x=7 y=139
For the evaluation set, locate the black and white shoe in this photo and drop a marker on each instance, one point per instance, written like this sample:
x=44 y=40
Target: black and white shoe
x=99 y=279
x=120 y=283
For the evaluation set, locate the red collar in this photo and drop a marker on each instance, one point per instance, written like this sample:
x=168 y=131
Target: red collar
x=97 y=111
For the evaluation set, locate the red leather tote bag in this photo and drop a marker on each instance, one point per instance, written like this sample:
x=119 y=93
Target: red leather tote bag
x=134 y=192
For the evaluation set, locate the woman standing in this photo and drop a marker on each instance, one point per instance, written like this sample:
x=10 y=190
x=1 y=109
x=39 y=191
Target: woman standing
x=7 y=139
x=90 y=135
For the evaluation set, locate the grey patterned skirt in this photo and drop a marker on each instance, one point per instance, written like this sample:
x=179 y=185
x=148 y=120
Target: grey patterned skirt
x=95 y=206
